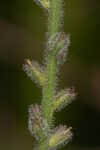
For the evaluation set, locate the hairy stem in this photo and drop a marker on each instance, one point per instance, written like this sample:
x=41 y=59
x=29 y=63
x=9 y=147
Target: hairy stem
x=49 y=88
x=54 y=16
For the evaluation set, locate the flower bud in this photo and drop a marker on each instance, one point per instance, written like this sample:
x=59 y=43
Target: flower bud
x=37 y=125
x=34 y=71
x=61 y=135
x=64 y=98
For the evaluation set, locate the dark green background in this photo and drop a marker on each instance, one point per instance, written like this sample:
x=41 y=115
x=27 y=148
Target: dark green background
x=23 y=29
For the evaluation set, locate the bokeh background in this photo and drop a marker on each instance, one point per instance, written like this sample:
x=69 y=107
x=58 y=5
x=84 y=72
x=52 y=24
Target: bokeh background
x=23 y=28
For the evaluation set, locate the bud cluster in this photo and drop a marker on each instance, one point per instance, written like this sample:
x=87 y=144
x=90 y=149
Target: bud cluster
x=58 y=44
x=38 y=126
x=58 y=41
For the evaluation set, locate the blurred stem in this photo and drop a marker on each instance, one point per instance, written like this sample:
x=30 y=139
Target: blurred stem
x=49 y=88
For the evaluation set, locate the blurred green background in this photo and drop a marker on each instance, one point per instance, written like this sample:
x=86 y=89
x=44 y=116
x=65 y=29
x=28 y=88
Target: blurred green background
x=23 y=29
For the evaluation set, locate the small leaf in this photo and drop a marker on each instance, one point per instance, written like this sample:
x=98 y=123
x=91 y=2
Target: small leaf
x=34 y=71
x=60 y=136
x=38 y=126
x=64 y=98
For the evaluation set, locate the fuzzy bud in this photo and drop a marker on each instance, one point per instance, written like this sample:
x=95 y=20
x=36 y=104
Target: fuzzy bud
x=34 y=71
x=62 y=135
x=57 y=42
x=64 y=98
x=37 y=125
x=63 y=50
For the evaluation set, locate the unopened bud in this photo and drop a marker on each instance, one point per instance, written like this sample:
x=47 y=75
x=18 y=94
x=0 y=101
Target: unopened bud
x=34 y=71
x=61 y=135
x=64 y=98
x=37 y=125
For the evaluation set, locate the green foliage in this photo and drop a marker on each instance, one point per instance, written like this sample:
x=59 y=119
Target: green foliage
x=40 y=117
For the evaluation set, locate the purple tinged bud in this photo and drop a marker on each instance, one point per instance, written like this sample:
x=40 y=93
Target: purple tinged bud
x=38 y=126
x=61 y=135
x=64 y=98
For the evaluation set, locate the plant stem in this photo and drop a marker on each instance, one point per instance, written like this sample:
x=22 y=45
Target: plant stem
x=54 y=16
x=49 y=88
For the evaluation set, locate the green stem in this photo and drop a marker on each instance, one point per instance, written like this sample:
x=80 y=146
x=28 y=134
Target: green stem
x=48 y=91
x=54 y=16
x=49 y=88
